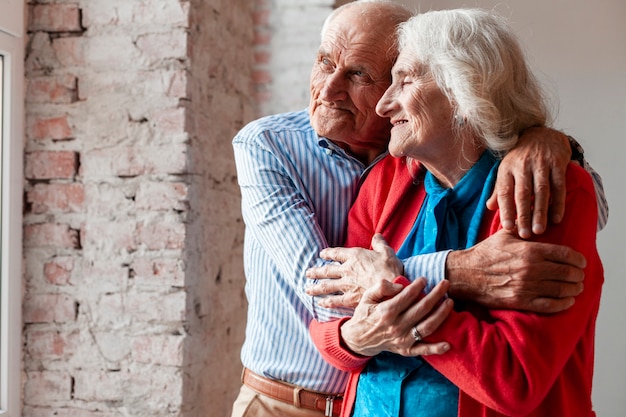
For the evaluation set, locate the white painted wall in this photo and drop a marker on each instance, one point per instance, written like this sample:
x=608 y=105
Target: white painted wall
x=579 y=47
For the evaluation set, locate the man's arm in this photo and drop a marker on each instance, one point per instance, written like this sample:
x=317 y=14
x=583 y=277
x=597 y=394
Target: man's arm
x=502 y=271
x=276 y=215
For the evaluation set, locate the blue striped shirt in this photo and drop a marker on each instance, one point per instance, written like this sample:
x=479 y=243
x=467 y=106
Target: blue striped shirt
x=296 y=191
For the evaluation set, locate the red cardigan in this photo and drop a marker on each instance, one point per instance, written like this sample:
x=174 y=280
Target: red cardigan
x=504 y=362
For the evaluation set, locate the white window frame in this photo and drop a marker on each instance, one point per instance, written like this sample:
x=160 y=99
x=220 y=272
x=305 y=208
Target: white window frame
x=12 y=44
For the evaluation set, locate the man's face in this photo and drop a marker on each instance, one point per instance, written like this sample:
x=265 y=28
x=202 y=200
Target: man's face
x=350 y=75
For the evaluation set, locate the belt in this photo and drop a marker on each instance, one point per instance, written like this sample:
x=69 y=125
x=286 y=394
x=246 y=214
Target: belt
x=330 y=404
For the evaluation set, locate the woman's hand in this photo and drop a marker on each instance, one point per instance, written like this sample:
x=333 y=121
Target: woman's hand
x=385 y=317
x=354 y=271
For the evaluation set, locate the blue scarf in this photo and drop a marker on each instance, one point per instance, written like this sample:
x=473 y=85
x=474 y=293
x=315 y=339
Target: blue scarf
x=393 y=385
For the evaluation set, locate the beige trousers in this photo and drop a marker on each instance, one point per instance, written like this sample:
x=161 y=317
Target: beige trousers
x=250 y=403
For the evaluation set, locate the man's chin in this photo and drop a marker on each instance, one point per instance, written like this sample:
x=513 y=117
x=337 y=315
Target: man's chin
x=328 y=126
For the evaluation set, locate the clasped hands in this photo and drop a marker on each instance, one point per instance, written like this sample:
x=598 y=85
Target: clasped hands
x=502 y=271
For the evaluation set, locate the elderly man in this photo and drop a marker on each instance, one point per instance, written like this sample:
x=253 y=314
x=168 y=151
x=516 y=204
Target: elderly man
x=299 y=173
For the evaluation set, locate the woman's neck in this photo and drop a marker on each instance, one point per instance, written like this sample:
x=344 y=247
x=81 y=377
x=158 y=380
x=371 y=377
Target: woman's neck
x=450 y=170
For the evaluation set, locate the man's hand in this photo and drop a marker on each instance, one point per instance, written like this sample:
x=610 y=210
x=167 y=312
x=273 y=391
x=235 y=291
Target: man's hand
x=385 y=316
x=354 y=271
x=504 y=271
x=531 y=180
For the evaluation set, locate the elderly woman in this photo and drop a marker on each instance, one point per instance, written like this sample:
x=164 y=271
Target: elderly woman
x=461 y=92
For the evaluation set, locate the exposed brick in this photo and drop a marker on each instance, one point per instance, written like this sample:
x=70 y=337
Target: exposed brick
x=41 y=388
x=262 y=37
x=55 y=128
x=66 y=412
x=161 y=196
x=158 y=350
x=109 y=237
x=261 y=76
x=51 y=235
x=262 y=57
x=146 y=13
x=49 y=308
x=155 y=307
x=54 y=18
x=52 y=90
x=159 y=272
x=112 y=52
x=176 y=84
x=62 y=198
x=157 y=46
x=50 y=344
x=59 y=270
x=261 y=17
x=169 y=120
x=44 y=165
x=69 y=51
x=103 y=276
x=158 y=236
x=134 y=161
x=100 y=386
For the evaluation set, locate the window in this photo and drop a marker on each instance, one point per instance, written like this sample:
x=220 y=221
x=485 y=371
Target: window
x=11 y=155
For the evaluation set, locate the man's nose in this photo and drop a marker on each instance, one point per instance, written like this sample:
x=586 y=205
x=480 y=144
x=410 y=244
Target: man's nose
x=334 y=88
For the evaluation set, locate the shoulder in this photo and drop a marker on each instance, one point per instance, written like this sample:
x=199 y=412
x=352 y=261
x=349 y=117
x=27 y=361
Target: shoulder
x=276 y=126
x=392 y=170
x=579 y=180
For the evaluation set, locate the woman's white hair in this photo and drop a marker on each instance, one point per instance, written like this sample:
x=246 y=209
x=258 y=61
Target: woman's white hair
x=479 y=64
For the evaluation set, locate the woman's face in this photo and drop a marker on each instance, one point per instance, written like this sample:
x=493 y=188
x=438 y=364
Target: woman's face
x=420 y=113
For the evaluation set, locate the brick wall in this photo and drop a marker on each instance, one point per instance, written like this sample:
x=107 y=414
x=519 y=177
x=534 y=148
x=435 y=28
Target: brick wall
x=134 y=299
x=134 y=302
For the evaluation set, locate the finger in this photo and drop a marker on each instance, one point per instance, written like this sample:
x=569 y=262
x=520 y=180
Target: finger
x=385 y=290
x=541 y=202
x=424 y=349
x=492 y=202
x=324 y=287
x=551 y=305
x=330 y=271
x=336 y=254
x=432 y=322
x=557 y=207
x=563 y=255
x=379 y=244
x=505 y=196
x=523 y=203
x=403 y=299
x=340 y=300
x=424 y=307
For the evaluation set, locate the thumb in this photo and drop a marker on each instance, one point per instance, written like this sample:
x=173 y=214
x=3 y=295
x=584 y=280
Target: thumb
x=379 y=244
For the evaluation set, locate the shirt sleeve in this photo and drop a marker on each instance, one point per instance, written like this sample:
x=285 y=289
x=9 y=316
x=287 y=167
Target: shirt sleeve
x=578 y=155
x=431 y=266
x=279 y=217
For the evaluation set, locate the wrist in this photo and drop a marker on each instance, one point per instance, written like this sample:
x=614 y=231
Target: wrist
x=459 y=273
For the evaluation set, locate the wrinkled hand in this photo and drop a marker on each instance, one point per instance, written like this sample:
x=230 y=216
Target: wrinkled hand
x=355 y=270
x=385 y=316
x=504 y=271
x=531 y=180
